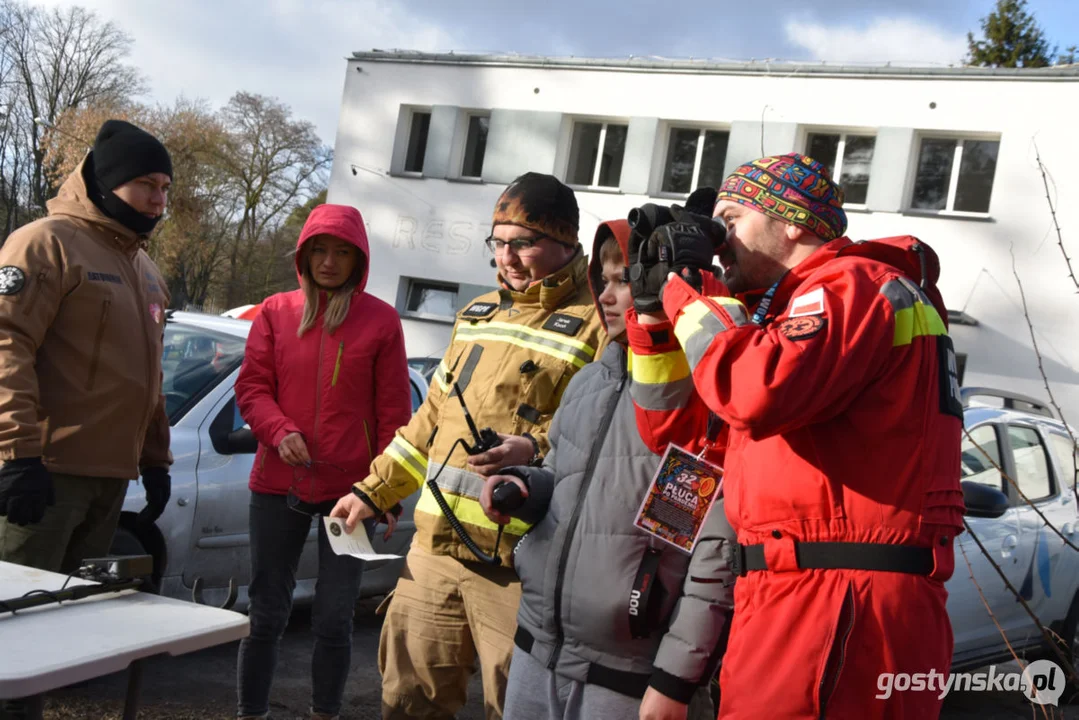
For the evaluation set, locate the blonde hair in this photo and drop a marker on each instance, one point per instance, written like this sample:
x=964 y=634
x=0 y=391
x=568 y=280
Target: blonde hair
x=338 y=300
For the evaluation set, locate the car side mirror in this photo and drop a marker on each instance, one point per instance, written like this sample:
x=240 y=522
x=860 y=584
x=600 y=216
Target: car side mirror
x=983 y=501
x=225 y=439
x=241 y=442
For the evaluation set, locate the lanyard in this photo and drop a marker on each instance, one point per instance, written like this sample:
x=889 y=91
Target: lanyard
x=766 y=302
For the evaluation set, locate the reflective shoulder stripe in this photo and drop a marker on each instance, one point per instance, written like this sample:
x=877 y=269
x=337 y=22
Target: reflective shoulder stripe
x=408 y=457
x=577 y=353
x=661 y=381
x=915 y=315
x=467 y=510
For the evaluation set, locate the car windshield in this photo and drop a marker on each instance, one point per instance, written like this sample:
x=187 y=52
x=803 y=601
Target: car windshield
x=194 y=361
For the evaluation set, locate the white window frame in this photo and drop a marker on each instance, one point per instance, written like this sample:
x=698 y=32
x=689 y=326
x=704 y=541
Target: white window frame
x=953 y=181
x=594 y=186
x=406 y=289
x=840 y=151
x=461 y=145
x=671 y=127
x=408 y=140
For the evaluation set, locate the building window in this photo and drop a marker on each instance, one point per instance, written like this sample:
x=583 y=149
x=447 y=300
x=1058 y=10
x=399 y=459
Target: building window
x=955 y=175
x=475 y=146
x=417 y=141
x=427 y=299
x=595 y=154
x=695 y=158
x=848 y=159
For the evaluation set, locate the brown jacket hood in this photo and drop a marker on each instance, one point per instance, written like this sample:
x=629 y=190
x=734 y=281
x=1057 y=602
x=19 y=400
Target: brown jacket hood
x=74 y=200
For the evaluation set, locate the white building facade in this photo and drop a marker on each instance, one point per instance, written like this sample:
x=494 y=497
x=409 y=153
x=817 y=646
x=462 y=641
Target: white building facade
x=426 y=143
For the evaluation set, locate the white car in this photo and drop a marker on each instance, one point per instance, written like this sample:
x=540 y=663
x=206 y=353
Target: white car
x=1034 y=448
x=201 y=545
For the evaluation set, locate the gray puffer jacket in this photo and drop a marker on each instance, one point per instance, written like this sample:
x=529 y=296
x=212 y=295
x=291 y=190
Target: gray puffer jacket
x=579 y=563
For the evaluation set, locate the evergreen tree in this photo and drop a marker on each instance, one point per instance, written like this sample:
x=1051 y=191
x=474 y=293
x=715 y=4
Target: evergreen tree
x=1012 y=39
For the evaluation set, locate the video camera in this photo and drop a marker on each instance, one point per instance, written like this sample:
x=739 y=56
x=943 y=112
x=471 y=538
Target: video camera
x=683 y=240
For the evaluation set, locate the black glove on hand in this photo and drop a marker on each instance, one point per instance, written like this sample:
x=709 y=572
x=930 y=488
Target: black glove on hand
x=158 y=484
x=25 y=490
x=685 y=247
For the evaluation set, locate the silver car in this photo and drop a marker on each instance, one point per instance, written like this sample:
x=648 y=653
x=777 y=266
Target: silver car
x=1022 y=437
x=201 y=545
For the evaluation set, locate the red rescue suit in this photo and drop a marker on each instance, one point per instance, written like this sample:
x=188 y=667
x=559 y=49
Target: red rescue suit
x=844 y=426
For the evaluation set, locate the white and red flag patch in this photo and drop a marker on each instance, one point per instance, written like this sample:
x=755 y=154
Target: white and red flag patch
x=812 y=303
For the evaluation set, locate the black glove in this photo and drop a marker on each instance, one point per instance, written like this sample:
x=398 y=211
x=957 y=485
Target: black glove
x=25 y=490
x=158 y=484
x=685 y=246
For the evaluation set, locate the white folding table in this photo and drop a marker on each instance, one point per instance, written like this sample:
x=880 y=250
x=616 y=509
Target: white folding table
x=55 y=645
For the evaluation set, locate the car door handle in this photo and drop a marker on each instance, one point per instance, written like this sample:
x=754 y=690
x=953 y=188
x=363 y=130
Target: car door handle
x=1010 y=543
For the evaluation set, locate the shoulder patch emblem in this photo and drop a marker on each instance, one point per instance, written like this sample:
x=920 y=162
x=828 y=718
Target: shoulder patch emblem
x=802 y=328
x=564 y=324
x=12 y=280
x=812 y=303
x=477 y=311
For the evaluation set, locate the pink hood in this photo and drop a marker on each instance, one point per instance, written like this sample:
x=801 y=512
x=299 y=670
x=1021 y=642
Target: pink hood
x=340 y=221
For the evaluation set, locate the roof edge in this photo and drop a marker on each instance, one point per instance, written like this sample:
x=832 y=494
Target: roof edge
x=716 y=66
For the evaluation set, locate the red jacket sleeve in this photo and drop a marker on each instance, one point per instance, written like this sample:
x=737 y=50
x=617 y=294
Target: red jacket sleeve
x=794 y=372
x=669 y=410
x=393 y=390
x=256 y=387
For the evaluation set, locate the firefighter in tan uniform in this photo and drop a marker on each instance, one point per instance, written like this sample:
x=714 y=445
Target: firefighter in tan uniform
x=512 y=354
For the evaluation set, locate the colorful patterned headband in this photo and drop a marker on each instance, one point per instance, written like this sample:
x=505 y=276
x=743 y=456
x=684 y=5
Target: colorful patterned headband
x=794 y=188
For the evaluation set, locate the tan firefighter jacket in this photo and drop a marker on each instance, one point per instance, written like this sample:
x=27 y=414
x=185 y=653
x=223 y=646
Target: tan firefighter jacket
x=512 y=354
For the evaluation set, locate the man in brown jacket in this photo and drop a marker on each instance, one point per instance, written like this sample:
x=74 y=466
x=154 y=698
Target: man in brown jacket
x=82 y=319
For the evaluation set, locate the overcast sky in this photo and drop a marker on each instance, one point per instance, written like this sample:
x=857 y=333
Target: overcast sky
x=296 y=49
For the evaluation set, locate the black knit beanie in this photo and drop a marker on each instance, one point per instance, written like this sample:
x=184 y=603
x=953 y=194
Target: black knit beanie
x=123 y=152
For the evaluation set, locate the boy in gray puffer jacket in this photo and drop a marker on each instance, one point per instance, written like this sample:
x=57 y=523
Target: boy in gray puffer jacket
x=579 y=651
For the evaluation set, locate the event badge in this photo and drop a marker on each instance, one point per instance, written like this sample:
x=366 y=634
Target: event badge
x=679 y=498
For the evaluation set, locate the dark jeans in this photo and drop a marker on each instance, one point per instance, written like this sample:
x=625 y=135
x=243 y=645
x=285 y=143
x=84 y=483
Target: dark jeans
x=278 y=535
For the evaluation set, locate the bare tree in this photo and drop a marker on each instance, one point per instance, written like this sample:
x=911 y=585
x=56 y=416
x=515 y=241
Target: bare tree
x=274 y=164
x=62 y=59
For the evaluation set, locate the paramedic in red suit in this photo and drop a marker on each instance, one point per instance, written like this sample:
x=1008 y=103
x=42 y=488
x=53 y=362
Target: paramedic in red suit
x=835 y=377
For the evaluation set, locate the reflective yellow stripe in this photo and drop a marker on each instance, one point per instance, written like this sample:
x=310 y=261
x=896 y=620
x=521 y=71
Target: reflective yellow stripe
x=917 y=321
x=661 y=368
x=440 y=376
x=552 y=336
x=540 y=342
x=467 y=510
x=689 y=322
x=408 y=457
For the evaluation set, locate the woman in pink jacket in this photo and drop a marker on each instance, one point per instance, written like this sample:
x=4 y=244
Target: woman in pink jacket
x=324 y=386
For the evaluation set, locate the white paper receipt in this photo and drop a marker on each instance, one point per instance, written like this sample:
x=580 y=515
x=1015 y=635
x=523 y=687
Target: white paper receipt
x=355 y=544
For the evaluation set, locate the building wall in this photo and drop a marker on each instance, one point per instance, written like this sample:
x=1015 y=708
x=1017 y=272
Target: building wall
x=432 y=225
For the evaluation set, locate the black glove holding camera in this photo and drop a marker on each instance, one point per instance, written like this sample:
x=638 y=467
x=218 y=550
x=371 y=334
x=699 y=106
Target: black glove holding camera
x=25 y=490
x=666 y=240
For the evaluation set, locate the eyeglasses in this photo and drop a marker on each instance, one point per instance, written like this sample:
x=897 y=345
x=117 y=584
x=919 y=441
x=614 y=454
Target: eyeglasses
x=526 y=247
x=305 y=473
